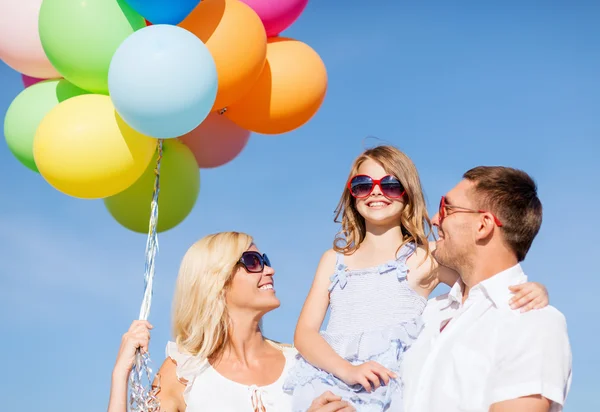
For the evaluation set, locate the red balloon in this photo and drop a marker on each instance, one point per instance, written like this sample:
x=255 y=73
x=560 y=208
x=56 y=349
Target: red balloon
x=30 y=81
x=216 y=141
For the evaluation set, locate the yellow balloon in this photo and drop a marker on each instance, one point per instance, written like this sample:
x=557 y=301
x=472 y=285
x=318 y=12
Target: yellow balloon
x=84 y=149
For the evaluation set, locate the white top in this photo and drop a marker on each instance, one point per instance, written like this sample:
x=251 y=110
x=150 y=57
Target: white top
x=488 y=353
x=209 y=391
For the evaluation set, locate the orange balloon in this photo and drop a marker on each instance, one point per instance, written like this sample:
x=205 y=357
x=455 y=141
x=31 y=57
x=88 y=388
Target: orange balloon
x=288 y=93
x=236 y=38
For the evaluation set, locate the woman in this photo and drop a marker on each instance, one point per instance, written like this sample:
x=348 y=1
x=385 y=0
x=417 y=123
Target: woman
x=220 y=361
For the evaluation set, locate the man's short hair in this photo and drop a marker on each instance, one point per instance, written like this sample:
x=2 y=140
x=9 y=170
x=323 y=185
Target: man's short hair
x=511 y=195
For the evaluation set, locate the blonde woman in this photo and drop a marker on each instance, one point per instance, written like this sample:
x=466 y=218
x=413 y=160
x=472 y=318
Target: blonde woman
x=219 y=361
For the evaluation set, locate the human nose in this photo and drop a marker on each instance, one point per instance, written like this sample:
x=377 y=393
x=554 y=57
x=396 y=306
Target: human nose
x=376 y=190
x=435 y=221
x=269 y=271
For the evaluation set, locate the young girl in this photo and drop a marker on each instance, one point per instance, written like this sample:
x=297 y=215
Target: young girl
x=376 y=280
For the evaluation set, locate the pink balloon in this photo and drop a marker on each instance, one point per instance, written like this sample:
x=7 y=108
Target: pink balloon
x=216 y=141
x=30 y=81
x=20 y=45
x=277 y=15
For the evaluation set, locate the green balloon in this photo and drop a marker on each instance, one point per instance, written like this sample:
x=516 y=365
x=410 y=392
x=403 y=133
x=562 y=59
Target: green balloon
x=179 y=189
x=80 y=37
x=27 y=111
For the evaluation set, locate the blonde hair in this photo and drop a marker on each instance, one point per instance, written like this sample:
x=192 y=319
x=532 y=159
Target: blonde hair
x=414 y=220
x=200 y=319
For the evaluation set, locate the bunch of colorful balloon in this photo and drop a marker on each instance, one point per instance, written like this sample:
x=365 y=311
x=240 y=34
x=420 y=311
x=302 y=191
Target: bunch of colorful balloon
x=120 y=76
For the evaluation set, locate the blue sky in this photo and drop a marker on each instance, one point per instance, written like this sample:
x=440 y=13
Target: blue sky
x=514 y=83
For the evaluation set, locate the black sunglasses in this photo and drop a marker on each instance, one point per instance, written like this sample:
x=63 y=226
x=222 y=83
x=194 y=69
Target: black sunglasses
x=254 y=262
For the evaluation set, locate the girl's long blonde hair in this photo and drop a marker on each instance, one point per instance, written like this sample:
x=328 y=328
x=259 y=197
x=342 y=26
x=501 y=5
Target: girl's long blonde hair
x=414 y=221
x=200 y=319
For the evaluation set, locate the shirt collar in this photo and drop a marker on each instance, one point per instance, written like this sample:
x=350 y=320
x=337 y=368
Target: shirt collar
x=494 y=288
x=455 y=294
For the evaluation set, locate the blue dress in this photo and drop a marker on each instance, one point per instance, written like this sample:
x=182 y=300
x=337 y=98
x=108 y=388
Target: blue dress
x=375 y=316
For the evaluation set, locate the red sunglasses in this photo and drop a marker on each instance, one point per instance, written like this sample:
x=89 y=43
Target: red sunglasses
x=444 y=206
x=361 y=186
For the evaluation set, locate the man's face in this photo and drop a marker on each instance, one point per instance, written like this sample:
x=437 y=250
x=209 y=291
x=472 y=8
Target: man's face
x=456 y=227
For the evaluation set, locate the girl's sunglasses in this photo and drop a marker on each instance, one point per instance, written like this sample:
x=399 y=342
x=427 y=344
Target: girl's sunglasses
x=361 y=186
x=254 y=262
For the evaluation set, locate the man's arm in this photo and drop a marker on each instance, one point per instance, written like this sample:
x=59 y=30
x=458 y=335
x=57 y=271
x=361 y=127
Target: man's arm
x=533 y=403
x=532 y=371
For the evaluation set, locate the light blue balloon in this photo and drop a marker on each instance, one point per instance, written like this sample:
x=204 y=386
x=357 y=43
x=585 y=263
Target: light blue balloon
x=163 y=81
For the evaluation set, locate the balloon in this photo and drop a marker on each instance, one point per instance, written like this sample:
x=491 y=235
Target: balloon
x=163 y=81
x=80 y=37
x=83 y=149
x=216 y=141
x=29 y=81
x=236 y=39
x=288 y=93
x=163 y=11
x=20 y=45
x=179 y=189
x=277 y=15
x=27 y=111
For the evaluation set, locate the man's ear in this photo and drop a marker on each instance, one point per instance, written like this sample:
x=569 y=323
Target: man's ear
x=485 y=226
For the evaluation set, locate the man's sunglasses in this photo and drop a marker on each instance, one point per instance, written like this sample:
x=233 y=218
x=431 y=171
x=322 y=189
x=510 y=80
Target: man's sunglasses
x=361 y=186
x=254 y=262
x=444 y=206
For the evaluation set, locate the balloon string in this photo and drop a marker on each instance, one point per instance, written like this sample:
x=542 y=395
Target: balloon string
x=142 y=399
x=152 y=241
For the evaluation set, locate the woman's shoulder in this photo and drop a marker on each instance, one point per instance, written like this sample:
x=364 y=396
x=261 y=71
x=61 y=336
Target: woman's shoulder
x=187 y=365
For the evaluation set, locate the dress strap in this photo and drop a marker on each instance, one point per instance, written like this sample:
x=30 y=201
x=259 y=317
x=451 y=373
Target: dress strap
x=406 y=251
x=399 y=265
x=279 y=345
x=339 y=275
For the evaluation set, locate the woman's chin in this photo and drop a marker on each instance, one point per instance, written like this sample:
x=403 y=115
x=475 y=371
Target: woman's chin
x=268 y=304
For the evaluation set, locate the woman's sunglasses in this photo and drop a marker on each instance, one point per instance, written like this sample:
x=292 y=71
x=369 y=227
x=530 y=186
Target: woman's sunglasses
x=361 y=186
x=254 y=262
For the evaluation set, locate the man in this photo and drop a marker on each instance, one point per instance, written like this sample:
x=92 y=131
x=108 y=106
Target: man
x=476 y=353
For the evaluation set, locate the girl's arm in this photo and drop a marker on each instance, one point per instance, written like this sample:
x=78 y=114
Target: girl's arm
x=315 y=349
x=307 y=338
x=528 y=296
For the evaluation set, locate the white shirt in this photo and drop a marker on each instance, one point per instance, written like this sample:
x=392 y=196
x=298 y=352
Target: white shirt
x=209 y=391
x=488 y=353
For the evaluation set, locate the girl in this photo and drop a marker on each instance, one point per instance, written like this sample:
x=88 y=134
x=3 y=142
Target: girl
x=383 y=273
